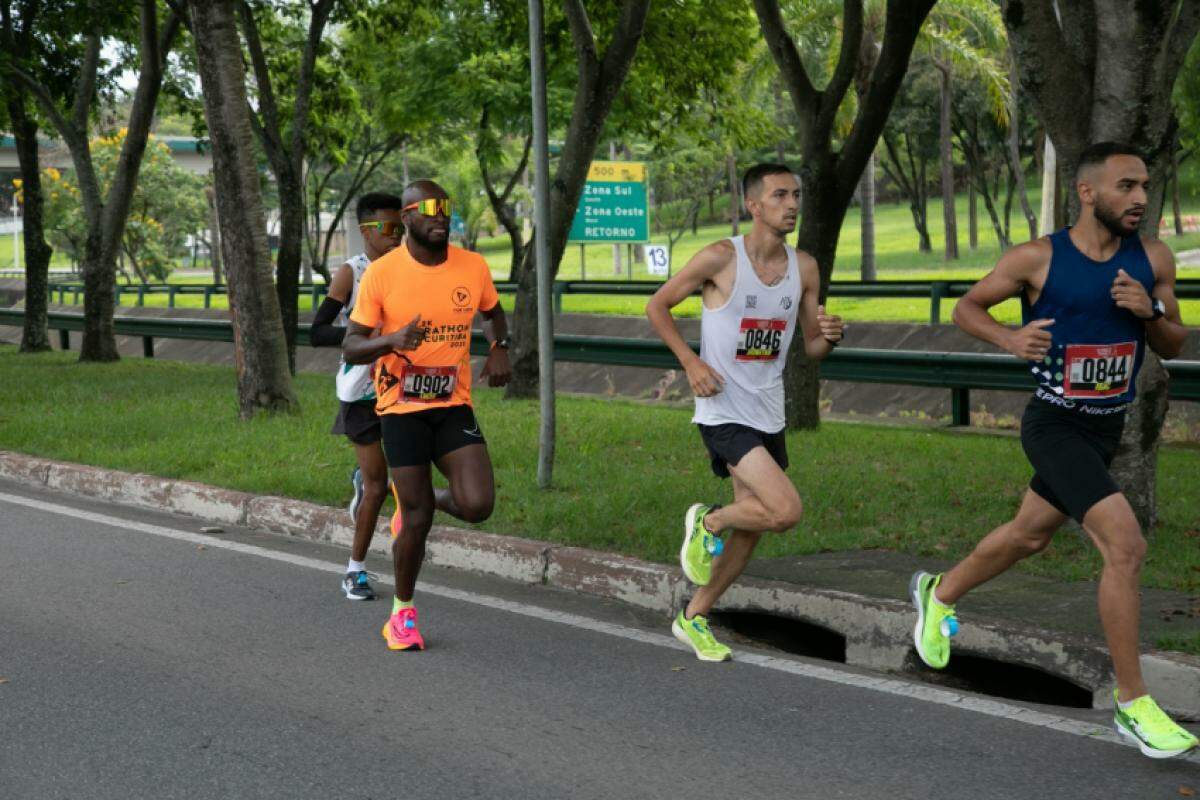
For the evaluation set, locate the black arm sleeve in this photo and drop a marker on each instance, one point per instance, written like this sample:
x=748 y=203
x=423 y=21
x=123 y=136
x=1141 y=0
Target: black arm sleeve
x=324 y=332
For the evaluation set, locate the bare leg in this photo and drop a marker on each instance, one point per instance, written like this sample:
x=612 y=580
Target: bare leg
x=414 y=488
x=373 y=468
x=1115 y=530
x=472 y=492
x=1032 y=529
x=764 y=500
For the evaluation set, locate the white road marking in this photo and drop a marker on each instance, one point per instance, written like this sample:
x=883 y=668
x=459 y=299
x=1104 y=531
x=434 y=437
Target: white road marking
x=928 y=694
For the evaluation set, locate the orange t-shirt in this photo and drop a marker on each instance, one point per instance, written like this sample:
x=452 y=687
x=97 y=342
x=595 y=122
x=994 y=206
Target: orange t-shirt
x=397 y=287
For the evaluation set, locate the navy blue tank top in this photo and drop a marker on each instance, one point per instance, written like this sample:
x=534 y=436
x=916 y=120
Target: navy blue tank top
x=1097 y=347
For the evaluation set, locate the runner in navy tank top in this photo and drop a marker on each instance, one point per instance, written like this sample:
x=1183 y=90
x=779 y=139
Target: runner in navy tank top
x=1093 y=297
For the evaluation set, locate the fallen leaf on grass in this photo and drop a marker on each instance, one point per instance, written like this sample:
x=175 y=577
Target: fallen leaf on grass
x=1187 y=791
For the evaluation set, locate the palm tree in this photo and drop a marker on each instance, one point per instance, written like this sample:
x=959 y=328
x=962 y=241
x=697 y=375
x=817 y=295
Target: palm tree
x=964 y=38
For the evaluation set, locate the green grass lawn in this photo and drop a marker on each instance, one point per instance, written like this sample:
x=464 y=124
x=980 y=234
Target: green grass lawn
x=624 y=475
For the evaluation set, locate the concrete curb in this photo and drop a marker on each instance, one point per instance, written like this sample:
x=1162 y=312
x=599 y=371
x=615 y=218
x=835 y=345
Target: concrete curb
x=877 y=631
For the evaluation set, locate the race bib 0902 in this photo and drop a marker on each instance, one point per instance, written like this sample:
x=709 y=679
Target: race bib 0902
x=760 y=339
x=428 y=384
x=1098 y=370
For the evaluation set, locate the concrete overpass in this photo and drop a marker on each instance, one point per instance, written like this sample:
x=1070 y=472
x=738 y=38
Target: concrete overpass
x=190 y=153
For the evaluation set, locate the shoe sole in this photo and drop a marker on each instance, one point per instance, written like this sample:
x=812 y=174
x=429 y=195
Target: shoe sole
x=391 y=646
x=350 y=596
x=914 y=591
x=1146 y=749
x=682 y=636
x=689 y=524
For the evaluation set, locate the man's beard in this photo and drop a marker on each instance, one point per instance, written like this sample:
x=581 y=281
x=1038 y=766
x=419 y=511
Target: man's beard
x=1111 y=221
x=422 y=239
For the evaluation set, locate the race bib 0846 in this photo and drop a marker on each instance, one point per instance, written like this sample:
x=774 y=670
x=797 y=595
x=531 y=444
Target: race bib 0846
x=1098 y=370
x=428 y=384
x=760 y=339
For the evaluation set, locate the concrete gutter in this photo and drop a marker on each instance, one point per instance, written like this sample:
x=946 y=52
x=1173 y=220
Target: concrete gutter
x=877 y=631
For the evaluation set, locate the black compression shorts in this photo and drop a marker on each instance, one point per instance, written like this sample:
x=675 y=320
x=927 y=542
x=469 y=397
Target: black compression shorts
x=727 y=444
x=1070 y=452
x=422 y=437
x=358 y=422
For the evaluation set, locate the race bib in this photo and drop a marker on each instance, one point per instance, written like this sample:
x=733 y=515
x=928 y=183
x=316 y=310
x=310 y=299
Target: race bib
x=760 y=339
x=428 y=384
x=1098 y=370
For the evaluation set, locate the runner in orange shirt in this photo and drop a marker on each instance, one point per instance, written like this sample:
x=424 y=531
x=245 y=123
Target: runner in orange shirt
x=423 y=295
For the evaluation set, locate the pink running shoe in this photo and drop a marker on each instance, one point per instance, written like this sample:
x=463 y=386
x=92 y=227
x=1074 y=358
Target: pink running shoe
x=401 y=631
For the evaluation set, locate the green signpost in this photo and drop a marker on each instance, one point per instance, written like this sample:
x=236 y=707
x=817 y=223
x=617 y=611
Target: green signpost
x=613 y=207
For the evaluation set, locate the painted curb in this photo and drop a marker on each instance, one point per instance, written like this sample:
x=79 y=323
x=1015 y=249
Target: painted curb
x=877 y=630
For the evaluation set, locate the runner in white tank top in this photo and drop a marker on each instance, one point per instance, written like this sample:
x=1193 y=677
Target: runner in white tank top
x=756 y=290
x=379 y=222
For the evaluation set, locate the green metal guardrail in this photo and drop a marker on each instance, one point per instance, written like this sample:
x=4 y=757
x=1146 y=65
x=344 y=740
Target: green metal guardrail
x=958 y=372
x=936 y=291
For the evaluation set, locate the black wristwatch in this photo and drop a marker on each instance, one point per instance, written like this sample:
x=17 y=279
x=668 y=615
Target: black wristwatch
x=1160 y=309
x=501 y=343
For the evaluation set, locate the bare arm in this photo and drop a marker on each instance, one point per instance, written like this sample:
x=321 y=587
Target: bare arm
x=497 y=368
x=1166 y=334
x=700 y=269
x=359 y=347
x=1016 y=270
x=821 y=331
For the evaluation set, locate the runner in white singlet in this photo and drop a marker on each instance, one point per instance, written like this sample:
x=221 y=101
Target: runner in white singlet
x=756 y=290
x=379 y=222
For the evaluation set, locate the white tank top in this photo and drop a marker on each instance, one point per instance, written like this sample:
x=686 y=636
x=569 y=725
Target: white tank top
x=353 y=381
x=746 y=341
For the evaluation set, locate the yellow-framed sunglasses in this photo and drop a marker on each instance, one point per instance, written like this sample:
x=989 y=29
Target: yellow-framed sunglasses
x=385 y=227
x=432 y=206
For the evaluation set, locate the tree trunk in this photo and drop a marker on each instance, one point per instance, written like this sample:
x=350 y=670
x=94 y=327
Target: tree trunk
x=945 y=134
x=1176 y=211
x=214 y=237
x=35 y=337
x=1014 y=151
x=260 y=349
x=731 y=176
x=1049 y=187
x=972 y=217
x=287 y=259
x=866 y=192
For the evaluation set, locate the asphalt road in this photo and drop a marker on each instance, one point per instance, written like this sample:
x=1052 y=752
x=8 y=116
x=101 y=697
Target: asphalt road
x=139 y=658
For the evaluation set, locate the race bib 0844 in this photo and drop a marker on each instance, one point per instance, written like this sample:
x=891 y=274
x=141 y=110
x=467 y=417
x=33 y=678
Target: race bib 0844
x=760 y=339
x=1098 y=370
x=428 y=384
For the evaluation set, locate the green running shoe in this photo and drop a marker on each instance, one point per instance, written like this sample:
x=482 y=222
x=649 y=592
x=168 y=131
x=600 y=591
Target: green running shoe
x=695 y=633
x=936 y=623
x=1156 y=734
x=699 y=546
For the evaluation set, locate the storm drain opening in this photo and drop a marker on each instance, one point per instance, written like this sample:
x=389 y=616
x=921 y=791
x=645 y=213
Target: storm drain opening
x=783 y=633
x=1006 y=680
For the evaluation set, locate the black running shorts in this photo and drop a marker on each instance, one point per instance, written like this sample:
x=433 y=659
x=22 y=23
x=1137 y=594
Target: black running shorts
x=727 y=444
x=358 y=422
x=1070 y=452
x=422 y=437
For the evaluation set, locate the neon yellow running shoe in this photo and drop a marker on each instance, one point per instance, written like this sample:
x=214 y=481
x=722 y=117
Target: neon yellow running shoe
x=699 y=546
x=936 y=623
x=695 y=634
x=1156 y=734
